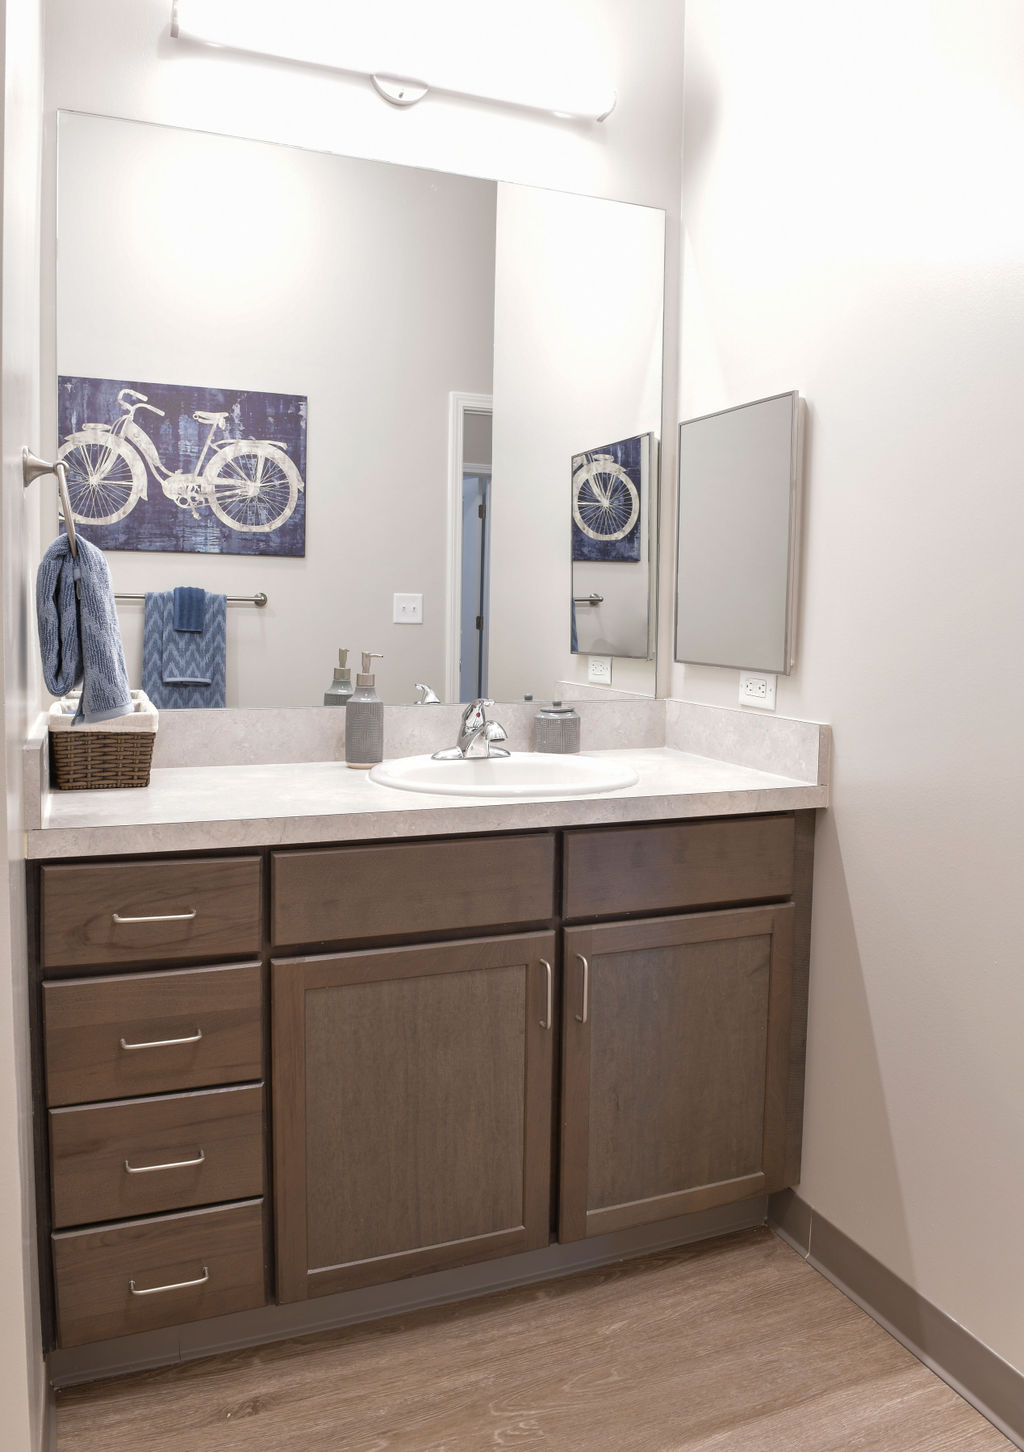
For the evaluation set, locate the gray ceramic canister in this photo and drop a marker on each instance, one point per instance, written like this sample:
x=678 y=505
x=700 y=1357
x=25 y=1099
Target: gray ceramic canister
x=556 y=729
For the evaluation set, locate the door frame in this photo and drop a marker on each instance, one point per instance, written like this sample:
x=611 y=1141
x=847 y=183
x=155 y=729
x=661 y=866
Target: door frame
x=459 y=405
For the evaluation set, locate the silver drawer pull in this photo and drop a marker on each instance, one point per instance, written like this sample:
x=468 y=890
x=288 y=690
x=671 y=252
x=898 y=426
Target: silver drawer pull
x=172 y=1165
x=177 y=1286
x=582 y=1017
x=165 y=1043
x=545 y=1022
x=158 y=917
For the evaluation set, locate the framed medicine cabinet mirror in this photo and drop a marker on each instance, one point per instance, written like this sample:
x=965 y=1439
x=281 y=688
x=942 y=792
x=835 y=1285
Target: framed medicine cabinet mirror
x=738 y=536
x=613 y=544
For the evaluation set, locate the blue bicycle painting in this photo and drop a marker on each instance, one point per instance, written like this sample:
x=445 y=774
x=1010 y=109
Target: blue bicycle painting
x=231 y=492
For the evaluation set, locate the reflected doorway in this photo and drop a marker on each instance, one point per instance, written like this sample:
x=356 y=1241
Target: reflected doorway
x=476 y=491
x=469 y=523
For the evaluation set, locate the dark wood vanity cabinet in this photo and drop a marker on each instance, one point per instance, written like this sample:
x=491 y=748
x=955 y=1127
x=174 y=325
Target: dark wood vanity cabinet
x=411 y=889
x=413 y=1084
x=153 y=1085
x=477 y=1045
x=675 y=1066
x=150 y=911
x=682 y=1068
x=412 y=1109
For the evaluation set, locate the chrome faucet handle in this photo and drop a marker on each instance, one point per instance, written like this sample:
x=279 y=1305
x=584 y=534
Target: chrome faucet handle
x=473 y=740
x=427 y=697
x=494 y=731
x=475 y=735
x=474 y=717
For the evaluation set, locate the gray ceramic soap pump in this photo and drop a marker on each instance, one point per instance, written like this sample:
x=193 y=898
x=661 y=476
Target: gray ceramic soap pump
x=364 y=719
x=341 y=688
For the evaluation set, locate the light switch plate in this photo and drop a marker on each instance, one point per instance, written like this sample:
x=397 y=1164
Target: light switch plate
x=599 y=669
x=408 y=610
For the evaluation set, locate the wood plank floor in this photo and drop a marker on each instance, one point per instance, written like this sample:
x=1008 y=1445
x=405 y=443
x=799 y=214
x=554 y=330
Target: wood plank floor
x=736 y=1343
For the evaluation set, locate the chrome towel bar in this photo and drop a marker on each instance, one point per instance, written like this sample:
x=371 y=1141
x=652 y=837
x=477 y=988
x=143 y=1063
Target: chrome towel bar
x=259 y=600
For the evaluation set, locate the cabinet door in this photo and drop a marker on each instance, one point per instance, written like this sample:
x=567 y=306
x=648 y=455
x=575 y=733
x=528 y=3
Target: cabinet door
x=412 y=1093
x=675 y=1066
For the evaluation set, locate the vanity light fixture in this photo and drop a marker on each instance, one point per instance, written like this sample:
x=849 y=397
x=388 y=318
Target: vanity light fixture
x=270 y=28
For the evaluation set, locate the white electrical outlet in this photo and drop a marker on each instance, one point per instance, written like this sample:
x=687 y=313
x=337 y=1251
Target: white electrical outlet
x=599 y=669
x=408 y=610
x=757 y=690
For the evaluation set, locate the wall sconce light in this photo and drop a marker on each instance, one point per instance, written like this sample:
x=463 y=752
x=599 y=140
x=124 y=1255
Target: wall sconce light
x=272 y=28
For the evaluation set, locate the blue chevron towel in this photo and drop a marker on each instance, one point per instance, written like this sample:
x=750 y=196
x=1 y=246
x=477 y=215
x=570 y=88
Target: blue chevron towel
x=79 y=637
x=184 y=669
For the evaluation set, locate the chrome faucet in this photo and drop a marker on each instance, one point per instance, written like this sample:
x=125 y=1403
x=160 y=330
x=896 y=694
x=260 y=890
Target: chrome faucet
x=476 y=735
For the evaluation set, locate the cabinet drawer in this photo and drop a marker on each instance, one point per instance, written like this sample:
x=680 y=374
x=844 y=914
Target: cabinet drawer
x=142 y=1274
x=333 y=894
x=156 y=912
x=147 y=1033
x=677 y=865
x=115 y=1161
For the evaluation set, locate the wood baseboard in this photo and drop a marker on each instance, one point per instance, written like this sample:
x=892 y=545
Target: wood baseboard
x=148 y=1349
x=981 y=1377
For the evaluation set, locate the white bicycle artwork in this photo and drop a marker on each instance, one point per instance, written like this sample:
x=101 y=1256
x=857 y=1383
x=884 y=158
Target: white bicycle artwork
x=605 y=502
x=251 y=485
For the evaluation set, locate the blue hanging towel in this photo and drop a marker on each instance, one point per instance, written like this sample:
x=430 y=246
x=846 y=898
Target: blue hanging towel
x=184 y=669
x=79 y=635
x=189 y=608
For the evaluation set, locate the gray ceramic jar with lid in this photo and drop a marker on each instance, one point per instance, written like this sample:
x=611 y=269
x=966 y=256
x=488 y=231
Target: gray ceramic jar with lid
x=556 y=729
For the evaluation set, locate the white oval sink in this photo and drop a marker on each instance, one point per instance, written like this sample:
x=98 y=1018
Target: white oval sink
x=522 y=774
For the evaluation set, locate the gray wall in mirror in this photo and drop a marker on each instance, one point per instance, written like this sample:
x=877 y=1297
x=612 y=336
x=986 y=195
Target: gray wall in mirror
x=377 y=291
x=738 y=535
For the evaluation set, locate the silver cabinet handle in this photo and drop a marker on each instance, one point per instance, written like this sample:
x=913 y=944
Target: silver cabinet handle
x=165 y=1043
x=171 y=1165
x=177 y=1286
x=545 y=1022
x=582 y=1017
x=158 y=917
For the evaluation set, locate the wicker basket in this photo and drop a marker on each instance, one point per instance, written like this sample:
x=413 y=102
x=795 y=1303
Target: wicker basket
x=108 y=754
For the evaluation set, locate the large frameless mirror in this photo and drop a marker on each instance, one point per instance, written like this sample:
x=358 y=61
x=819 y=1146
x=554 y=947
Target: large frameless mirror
x=372 y=383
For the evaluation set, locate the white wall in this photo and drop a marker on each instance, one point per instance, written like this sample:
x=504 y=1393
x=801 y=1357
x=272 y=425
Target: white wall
x=22 y=1384
x=854 y=228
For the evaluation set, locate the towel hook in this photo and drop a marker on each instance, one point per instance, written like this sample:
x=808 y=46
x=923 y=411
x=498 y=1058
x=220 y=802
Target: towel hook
x=33 y=468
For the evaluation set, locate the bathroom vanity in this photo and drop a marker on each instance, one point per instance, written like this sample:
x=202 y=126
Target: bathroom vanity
x=403 y=1034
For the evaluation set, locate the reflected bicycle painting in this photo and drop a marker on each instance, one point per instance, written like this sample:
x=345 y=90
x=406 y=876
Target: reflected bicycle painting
x=608 y=485
x=158 y=466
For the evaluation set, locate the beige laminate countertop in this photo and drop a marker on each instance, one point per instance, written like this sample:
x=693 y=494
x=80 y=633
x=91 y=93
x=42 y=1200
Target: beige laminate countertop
x=199 y=808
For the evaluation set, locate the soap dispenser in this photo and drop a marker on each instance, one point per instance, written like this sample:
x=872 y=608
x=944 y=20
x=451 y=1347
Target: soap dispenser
x=340 y=689
x=364 y=718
